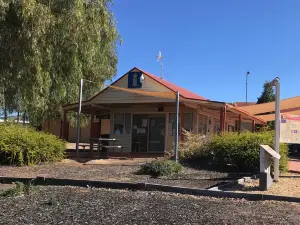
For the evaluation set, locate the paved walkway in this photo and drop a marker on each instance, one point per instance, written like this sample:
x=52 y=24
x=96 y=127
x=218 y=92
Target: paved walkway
x=294 y=165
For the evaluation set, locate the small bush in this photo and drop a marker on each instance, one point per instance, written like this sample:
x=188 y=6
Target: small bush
x=21 y=145
x=160 y=168
x=18 y=189
x=242 y=150
x=192 y=147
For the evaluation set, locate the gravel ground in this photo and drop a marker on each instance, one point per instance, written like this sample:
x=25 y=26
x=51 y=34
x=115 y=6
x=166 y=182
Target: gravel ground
x=4 y=187
x=67 y=205
x=189 y=178
x=288 y=185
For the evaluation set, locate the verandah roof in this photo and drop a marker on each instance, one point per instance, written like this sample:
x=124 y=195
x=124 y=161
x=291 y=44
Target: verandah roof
x=171 y=95
x=289 y=105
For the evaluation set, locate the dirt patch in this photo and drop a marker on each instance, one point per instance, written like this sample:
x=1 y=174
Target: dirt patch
x=117 y=161
x=111 y=161
x=66 y=205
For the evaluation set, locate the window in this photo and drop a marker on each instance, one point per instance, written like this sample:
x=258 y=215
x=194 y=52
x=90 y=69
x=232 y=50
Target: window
x=216 y=126
x=188 y=123
x=122 y=123
x=128 y=123
x=202 y=124
x=172 y=124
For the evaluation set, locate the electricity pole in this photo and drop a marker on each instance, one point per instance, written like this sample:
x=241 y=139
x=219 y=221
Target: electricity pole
x=176 y=127
x=276 y=83
x=247 y=86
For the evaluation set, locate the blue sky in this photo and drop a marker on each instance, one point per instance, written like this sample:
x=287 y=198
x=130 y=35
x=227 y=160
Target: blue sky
x=209 y=45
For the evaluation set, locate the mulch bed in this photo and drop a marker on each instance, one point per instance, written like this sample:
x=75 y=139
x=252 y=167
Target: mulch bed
x=195 y=178
x=70 y=205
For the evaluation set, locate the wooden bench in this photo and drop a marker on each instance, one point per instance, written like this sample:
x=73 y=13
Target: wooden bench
x=113 y=147
x=84 y=146
x=108 y=147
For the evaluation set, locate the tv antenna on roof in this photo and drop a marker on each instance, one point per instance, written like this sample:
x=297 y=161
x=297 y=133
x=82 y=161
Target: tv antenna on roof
x=159 y=59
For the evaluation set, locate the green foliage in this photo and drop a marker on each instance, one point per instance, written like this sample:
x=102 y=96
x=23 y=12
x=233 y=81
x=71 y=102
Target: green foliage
x=267 y=94
x=238 y=150
x=72 y=118
x=191 y=148
x=46 y=46
x=160 y=168
x=24 y=146
x=18 y=189
x=242 y=150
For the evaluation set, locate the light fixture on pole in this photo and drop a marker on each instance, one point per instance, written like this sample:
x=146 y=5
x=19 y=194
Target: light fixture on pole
x=275 y=83
x=79 y=112
x=78 y=116
x=247 y=74
x=176 y=127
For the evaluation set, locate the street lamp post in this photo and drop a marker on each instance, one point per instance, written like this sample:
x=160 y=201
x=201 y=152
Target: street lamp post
x=276 y=84
x=79 y=112
x=247 y=86
x=177 y=127
x=78 y=116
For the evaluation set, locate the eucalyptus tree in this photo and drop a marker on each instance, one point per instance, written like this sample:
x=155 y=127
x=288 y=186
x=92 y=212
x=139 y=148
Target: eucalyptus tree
x=46 y=46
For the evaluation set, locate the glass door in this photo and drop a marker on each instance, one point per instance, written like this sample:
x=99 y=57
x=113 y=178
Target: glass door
x=157 y=130
x=139 y=133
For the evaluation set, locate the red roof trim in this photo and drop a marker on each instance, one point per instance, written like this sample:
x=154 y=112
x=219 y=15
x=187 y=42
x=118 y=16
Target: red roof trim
x=241 y=104
x=183 y=92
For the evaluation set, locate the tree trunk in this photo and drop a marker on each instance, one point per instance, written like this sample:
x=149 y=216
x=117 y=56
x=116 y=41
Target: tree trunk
x=18 y=119
x=24 y=117
x=5 y=113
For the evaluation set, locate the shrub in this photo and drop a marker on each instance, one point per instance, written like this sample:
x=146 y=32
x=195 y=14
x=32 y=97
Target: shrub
x=18 y=189
x=192 y=147
x=242 y=150
x=160 y=168
x=21 y=145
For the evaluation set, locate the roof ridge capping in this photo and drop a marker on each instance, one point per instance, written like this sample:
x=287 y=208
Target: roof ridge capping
x=173 y=87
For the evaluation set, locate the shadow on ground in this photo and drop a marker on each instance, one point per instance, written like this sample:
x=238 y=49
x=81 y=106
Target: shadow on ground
x=233 y=172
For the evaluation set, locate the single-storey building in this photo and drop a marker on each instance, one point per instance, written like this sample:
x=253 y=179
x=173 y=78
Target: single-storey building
x=139 y=109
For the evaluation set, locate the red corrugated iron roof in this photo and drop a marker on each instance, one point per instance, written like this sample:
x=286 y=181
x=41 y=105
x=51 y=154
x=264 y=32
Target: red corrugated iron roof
x=245 y=113
x=183 y=92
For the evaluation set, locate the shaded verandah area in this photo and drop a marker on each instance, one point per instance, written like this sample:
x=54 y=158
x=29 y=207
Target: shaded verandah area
x=226 y=118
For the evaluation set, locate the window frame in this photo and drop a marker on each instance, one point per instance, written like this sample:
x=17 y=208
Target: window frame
x=124 y=124
x=170 y=132
x=202 y=124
